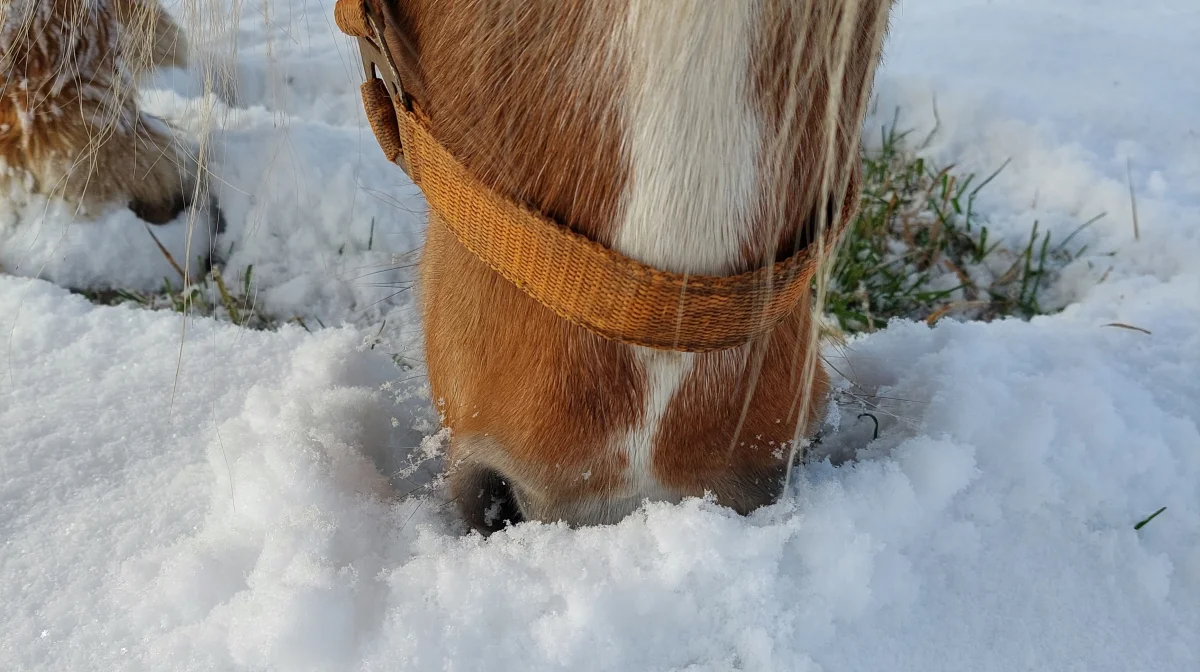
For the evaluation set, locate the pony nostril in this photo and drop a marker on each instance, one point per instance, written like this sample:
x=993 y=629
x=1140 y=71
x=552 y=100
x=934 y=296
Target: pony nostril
x=488 y=501
x=162 y=212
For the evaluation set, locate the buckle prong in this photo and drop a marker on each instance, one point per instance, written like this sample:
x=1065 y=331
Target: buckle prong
x=378 y=63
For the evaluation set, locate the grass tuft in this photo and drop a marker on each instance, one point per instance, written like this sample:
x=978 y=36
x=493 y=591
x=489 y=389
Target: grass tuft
x=920 y=250
x=210 y=297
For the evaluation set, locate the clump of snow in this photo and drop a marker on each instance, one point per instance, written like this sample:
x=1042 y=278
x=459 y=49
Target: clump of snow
x=182 y=494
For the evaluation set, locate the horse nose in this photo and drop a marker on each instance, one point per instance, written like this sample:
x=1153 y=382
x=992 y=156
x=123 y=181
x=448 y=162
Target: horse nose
x=486 y=498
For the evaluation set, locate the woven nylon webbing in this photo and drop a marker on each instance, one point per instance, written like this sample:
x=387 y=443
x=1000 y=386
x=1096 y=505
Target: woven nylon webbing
x=578 y=279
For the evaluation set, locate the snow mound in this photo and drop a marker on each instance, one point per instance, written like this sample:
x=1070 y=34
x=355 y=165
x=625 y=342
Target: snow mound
x=251 y=524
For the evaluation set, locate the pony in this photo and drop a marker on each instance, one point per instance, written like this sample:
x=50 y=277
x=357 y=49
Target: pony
x=691 y=136
x=70 y=123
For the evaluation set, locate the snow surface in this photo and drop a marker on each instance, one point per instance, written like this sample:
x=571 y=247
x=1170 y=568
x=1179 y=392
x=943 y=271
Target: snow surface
x=181 y=494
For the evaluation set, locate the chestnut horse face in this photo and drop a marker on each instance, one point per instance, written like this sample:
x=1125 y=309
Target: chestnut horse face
x=695 y=137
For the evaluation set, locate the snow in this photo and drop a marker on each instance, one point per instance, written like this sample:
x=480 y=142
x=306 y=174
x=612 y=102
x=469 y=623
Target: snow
x=183 y=494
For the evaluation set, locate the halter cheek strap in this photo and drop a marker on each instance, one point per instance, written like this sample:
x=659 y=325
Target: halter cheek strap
x=578 y=279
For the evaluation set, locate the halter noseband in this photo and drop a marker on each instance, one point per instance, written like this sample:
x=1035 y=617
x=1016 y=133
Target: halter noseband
x=581 y=281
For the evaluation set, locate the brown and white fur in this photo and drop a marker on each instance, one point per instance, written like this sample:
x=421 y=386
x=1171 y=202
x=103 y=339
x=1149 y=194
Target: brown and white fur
x=697 y=136
x=70 y=125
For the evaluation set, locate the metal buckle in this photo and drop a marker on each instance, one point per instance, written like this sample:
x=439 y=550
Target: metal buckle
x=378 y=64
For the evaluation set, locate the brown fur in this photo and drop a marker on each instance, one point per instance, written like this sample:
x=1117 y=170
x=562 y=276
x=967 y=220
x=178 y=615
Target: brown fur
x=70 y=126
x=527 y=96
x=567 y=391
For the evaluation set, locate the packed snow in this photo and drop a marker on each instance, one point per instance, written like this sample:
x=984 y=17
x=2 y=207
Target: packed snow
x=182 y=494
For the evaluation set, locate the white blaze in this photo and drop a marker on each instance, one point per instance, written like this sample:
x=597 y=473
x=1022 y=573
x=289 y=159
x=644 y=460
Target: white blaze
x=693 y=140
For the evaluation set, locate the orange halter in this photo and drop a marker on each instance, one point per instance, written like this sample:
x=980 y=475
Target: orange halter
x=578 y=279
